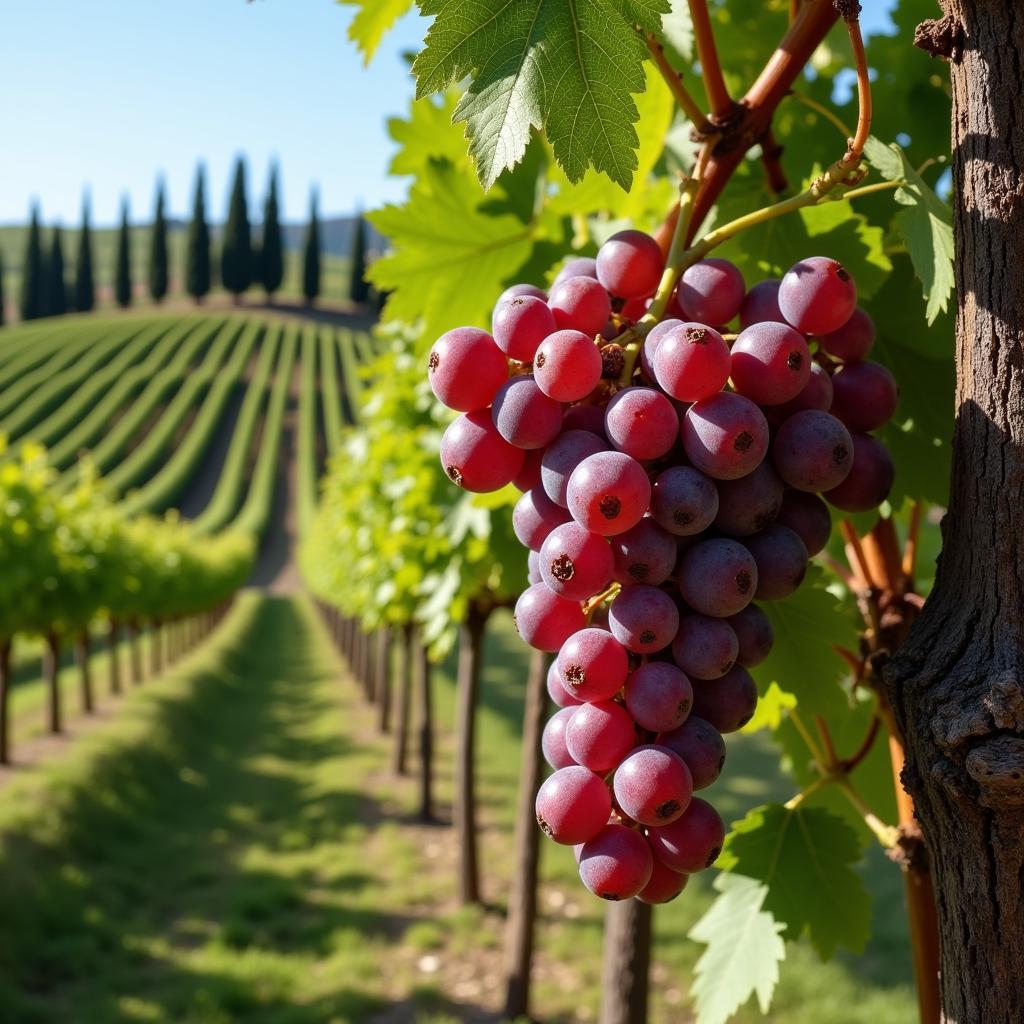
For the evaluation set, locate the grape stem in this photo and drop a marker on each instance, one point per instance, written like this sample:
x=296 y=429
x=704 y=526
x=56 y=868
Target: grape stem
x=599 y=599
x=674 y=80
x=722 y=106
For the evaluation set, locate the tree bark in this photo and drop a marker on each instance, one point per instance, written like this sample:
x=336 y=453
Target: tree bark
x=5 y=693
x=424 y=671
x=51 y=673
x=83 y=649
x=403 y=698
x=957 y=685
x=135 y=652
x=627 y=956
x=156 y=661
x=467 y=687
x=383 y=687
x=114 y=653
x=522 y=897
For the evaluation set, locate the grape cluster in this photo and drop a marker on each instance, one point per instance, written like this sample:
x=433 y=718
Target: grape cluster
x=657 y=504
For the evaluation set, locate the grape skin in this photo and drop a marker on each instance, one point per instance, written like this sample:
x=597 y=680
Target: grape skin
x=466 y=368
x=545 y=620
x=592 y=664
x=558 y=693
x=762 y=304
x=581 y=266
x=580 y=304
x=616 y=864
x=691 y=362
x=520 y=324
x=771 y=363
x=552 y=741
x=749 y=503
x=718 y=577
x=475 y=456
x=599 y=735
x=705 y=647
x=575 y=563
x=725 y=436
x=629 y=264
x=524 y=415
x=711 y=291
x=573 y=805
x=870 y=478
x=535 y=515
x=817 y=295
x=643 y=619
x=754 y=634
x=781 y=562
x=684 y=501
x=567 y=366
x=808 y=517
x=853 y=341
x=641 y=422
x=653 y=785
x=562 y=456
x=692 y=842
x=813 y=451
x=701 y=746
x=608 y=493
x=659 y=696
x=644 y=554
x=866 y=396
x=664 y=886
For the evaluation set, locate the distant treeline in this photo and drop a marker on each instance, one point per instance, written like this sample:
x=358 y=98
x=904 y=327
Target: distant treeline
x=241 y=257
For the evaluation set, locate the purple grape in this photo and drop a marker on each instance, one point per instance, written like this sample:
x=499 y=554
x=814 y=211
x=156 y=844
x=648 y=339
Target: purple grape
x=711 y=291
x=518 y=291
x=529 y=476
x=608 y=493
x=725 y=436
x=580 y=266
x=852 y=342
x=684 y=501
x=557 y=691
x=641 y=422
x=575 y=563
x=705 y=648
x=584 y=417
x=535 y=515
x=475 y=456
x=651 y=343
x=524 y=415
x=717 y=577
x=653 y=785
x=761 y=304
x=813 y=451
x=750 y=503
x=658 y=696
x=664 y=885
x=545 y=620
x=466 y=368
x=692 y=842
x=644 y=619
x=869 y=480
x=817 y=295
x=754 y=633
x=573 y=805
x=599 y=735
x=520 y=325
x=865 y=396
x=592 y=664
x=567 y=366
x=644 y=554
x=552 y=741
x=616 y=864
x=701 y=746
x=562 y=456
x=771 y=363
x=817 y=394
x=781 y=561
x=629 y=264
x=728 y=702
x=808 y=517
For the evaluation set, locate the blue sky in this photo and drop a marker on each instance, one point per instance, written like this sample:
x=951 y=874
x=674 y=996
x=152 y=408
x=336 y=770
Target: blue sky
x=110 y=95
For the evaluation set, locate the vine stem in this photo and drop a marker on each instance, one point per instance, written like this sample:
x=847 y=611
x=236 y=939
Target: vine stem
x=877 y=186
x=794 y=802
x=674 y=80
x=887 y=835
x=860 y=138
x=711 y=67
x=805 y=735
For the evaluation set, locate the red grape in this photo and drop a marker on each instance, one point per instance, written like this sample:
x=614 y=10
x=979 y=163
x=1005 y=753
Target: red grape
x=592 y=664
x=701 y=746
x=581 y=266
x=816 y=394
x=808 y=517
x=870 y=479
x=781 y=561
x=754 y=634
x=653 y=785
x=545 y=620
x=658 y=696
x=563 y=455
x=851 y=342
x=691 y=362
x=705 y=648
x=552 y=742
x=521 y=324
x=644 y=619
x=524 y=415
x=651 y=343
x=750 y=503
x=575 y=563
x=466 y=368
x=725 y=436
x=529 y=476
x=817 y=295
x=629 y=264
x=771 y=363
x=580 y=304
x=866 y=396
x=600 y=735
x=535 y=515
x=641 y=422
x=728 y=702
x=644 y=554
x=518 y=290
x=665 y=884
x=608 y=493
x=573 y=805
x=717 y=577
x=475 y=456
x=711 y=291
x=692 y=842
x=559 y=695
x=761 y=304
x=616 y=864
x=567 y=366
x=813 y=451
x=684 y=501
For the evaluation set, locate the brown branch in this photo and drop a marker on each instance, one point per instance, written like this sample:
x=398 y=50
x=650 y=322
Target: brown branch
x=722 y=106
x=850 y=658
x=855 y=148
x=851 y=762
x=771 y=157
x=840 y=570
x=826 y=739
x=855 y=554
x=881 y=547
x=674 y=80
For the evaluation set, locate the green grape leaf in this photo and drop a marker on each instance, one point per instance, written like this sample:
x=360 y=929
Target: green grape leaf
x=566 y=67
x=448 y=256
x=426 y=133
x=925 y=224
x=803 y=856
x=771 y=709
x=802 y=660
x=744 y=950
x=371 y=21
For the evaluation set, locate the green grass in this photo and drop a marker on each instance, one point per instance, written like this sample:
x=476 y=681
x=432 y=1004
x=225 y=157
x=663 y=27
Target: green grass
x=232 y=848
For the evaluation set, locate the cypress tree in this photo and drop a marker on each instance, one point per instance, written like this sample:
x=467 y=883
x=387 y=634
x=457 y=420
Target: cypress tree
x=158 y=248
x=56 y=289
x=197 y=251
x=32 y=283
x=123 y=266
x=236 y=250
x=3 y=309
x=271 y=259
x=359 y=289
x=311 y=255
x=85 y=289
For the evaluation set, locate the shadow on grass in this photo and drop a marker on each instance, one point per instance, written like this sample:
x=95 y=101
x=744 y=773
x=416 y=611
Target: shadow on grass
x=209 y=833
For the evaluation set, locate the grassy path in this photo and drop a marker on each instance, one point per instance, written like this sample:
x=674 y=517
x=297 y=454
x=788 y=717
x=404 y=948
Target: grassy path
x=231 y=849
